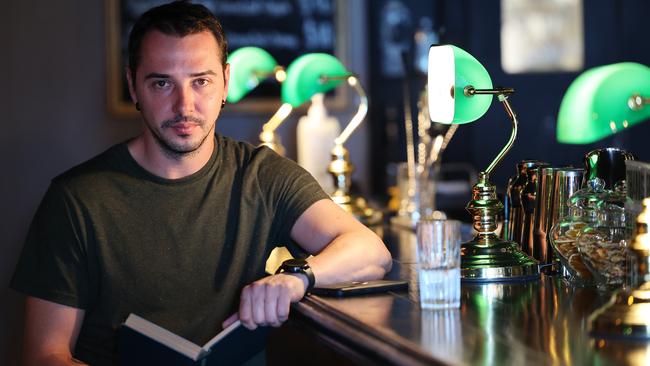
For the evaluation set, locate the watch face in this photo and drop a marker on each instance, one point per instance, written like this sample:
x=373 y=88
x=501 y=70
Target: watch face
x=295 y=262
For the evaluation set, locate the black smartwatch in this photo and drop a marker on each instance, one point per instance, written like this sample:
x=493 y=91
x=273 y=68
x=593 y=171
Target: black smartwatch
x=298 y=266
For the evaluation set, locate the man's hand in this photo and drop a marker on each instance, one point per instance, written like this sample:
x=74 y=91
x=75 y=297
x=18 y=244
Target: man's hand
x=51 y=332
x=267 y=301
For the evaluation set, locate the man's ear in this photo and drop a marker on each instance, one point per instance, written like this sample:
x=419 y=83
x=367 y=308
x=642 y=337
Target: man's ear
x=130 y=81
x=226 y=79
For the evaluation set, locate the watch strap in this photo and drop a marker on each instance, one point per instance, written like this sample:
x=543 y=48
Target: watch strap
x=299 y=266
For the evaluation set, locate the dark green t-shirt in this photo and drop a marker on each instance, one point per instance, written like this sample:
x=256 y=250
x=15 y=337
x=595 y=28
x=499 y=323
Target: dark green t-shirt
x=113 y=239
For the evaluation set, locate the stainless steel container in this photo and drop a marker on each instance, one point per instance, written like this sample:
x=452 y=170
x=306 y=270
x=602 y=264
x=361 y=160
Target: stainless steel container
x=529 y=200
x=515 y=213
x=542 y=250
x=607 y=164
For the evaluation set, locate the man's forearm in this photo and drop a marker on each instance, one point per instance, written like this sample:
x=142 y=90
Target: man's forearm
x=355 y=256
x=344 y=249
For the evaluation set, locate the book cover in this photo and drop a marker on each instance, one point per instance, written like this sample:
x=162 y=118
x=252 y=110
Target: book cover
x=142 y=342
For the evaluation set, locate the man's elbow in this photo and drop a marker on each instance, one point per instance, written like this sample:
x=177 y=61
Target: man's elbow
x=384 y=259
x=387 y=260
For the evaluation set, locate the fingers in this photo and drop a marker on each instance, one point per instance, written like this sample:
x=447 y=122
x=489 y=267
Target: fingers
x=277 y=310
x=284 y=304
x=271 y=310
x=257 y=305
x=231 y=319
x=267 y=302
x=246 y=308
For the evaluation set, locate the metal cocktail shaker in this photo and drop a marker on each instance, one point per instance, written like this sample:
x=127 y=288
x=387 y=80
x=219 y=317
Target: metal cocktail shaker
x=542 y=250
x=529 y=205
x=516 y=184
x=607 y=164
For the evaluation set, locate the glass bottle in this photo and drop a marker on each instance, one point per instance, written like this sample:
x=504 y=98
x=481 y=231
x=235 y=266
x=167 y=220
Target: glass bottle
x=603 y=244
x=584 y=208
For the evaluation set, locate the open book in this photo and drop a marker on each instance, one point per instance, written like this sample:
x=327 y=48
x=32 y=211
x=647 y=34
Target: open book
x=145 y=343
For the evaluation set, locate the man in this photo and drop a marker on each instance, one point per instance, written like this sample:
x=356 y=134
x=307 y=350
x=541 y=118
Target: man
x=175 y=224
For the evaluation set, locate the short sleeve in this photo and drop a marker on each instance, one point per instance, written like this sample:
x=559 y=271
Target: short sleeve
x=53 y=263
x=290 y=190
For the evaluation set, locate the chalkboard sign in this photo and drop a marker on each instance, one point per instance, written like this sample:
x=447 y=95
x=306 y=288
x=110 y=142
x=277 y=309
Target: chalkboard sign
x=285 y=28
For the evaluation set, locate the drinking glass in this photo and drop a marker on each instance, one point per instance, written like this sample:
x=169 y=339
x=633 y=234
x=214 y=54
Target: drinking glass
x=438 y=255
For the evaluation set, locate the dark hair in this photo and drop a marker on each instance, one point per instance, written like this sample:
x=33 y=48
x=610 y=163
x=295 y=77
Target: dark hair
x=178 y=18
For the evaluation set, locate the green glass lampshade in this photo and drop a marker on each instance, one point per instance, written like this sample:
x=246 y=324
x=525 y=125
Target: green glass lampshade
x=596 y=103
x=305 y=77
x=248 y=67
x=451 y=70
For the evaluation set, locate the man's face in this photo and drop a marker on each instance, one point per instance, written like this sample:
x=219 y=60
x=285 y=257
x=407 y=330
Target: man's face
x=180 y=84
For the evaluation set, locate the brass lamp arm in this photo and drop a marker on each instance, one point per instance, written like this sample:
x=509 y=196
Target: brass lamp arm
x=502 y=94
x=362 y=111
x=513 y=135
x=279 y=73
x=278 y=117
x=470 y=90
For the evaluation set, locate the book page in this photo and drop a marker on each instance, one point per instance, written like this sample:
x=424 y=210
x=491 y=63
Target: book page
x=221 y=335
x=165 y=337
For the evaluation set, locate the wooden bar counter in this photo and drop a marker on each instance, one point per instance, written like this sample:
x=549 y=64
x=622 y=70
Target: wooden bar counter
x=541 y=322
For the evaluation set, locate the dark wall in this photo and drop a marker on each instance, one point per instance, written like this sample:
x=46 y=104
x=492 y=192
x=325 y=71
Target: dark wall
x=613 y=32
x=53 y=117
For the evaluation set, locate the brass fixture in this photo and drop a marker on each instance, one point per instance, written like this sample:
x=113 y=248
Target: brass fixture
x=488 y=257
x=268 y=136
x=341 y=168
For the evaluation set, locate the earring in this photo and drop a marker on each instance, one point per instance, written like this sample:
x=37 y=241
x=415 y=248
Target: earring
x=137 y=106
x=223 y=103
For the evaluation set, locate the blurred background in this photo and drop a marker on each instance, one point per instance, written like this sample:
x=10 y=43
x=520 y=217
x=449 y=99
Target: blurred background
x=59 y=109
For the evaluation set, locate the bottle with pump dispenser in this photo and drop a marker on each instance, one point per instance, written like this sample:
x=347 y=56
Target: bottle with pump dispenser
x=315 y=138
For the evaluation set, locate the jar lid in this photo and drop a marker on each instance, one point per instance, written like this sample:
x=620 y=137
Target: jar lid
x=612 y=208
x=587 y=201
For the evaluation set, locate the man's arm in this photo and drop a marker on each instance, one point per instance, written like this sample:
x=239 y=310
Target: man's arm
x=345 y=250
x=51 y=332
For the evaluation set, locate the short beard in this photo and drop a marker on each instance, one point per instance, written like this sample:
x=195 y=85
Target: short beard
x=174 y=152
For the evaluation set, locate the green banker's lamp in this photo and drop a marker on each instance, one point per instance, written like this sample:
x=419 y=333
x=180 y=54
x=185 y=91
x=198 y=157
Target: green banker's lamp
x=460 y=91
x=249 y=66
x=307 y=75
x=602 y=101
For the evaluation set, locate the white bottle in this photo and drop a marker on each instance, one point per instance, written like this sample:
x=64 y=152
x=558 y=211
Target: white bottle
x=315 y=139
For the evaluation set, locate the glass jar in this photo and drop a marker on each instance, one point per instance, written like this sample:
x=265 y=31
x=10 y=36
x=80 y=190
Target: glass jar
x=603 y=244
x=584 y=207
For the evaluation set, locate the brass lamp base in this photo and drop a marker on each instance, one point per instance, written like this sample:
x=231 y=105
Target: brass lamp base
x=487 y=258
x=271 y=140
x=358 y=207
x=341 y=170
x=626 y=316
